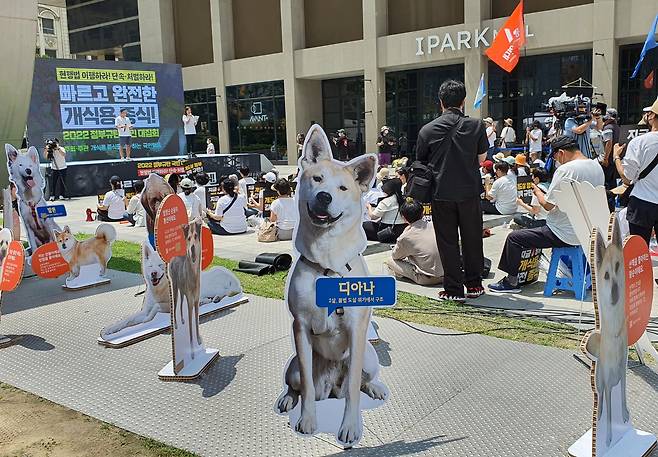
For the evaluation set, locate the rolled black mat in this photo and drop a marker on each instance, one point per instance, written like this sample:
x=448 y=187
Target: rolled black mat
x=255 y=268
x=279 y=261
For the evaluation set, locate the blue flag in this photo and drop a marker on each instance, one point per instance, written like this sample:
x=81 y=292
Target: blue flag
x=649 y=55
x=481 y=93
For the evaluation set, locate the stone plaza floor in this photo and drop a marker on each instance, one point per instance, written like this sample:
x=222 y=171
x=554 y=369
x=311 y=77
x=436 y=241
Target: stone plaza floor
x=450 y=395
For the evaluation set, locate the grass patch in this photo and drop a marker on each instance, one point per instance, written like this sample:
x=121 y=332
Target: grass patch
x=126 y=256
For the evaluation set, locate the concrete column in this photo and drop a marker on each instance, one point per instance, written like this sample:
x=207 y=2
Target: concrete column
x=375 y=24
x=18 y=20
x=295 y=91
x=475 y=62
x=221 y=20
x=156 y=31
x=605 y=53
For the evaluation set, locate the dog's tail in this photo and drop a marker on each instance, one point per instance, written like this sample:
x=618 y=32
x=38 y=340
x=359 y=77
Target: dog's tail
x=106 y=232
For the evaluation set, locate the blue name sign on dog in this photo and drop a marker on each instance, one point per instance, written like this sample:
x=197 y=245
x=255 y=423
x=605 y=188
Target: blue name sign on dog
x=45 y=212
x=334 y=293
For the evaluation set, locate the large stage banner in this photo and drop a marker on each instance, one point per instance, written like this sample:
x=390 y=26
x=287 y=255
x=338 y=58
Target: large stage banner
x=77 y=102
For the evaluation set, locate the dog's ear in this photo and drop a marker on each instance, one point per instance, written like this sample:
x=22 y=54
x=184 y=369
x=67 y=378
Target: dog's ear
x=593 y=345
x=67 y=229
x=12 y=153
x=33 y=154
x=599 y=249
x=363 y=169
x=316 y=146
x=56 y=233
x=146 y=249
x=617 y=239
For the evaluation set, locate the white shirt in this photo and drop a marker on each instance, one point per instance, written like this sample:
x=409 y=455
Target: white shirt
x=210 y=149
x=387 y=211
x=59 y=159
x=192 y=205
x=189 y=124
x=541 y=215
x=243 y=183
x=508 y=134
x=575 y=170
x=123 y=125
x=135 y=208
x=491 y=136
x=113 y=201
x=504 y=194
x=286 y=212
x=640 y=152
x=596 y=137
x=200 y=192
x=535 y=145
x=233 y=221
x=540 y=163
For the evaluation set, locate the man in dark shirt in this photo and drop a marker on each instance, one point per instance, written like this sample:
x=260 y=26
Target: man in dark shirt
x=454 y=146
x=611 y=133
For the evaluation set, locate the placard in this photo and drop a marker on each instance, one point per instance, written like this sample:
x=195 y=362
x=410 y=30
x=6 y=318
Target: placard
x=48 y=263
x=639 y=286
x=213 y=194
x=427 y=212
x=524 y=188
x=207 y=247
x=11 y=266
x=45 y=212
x=529 y=267
x=334 y=293
x=169 y=237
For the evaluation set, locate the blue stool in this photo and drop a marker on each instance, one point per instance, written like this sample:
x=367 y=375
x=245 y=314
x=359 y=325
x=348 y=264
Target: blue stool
x=581 y=277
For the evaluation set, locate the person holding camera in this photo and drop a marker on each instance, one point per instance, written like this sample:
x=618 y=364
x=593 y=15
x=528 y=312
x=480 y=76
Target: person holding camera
x=56 y=157
x=580 y=128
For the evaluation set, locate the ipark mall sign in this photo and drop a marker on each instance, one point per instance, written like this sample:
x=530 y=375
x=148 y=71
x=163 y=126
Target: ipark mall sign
x=464 y=39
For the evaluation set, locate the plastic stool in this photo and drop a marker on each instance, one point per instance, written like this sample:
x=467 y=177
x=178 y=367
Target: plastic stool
x=581 y=277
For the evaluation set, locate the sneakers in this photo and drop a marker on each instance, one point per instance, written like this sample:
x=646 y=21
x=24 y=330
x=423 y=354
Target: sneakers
x=504 y=286
x=474 y=292
x=445 y=296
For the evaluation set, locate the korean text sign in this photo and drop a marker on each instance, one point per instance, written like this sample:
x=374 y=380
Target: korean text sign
x=333 y=293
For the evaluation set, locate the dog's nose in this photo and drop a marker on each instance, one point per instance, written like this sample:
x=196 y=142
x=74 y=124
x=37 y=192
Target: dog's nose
x=324 y=198
x=28 y=171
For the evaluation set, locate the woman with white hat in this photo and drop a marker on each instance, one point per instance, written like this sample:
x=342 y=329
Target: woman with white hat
x=491 y=136
x=192 y=203
x=508 y=135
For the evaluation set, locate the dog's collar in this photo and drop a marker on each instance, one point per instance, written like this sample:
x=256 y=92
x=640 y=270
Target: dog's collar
x=322 y=270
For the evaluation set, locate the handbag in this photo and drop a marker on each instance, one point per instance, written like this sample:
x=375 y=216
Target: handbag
x=421 y=177
x=267 y=232
x=643 y=174
x=388 y=235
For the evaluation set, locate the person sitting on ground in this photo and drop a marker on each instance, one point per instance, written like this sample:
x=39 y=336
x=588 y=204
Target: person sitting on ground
x=259 y=205
x=283 y=212
x=192 y=202
x=415 y=255
x=486 y=170
x=201 y=180
x=386 y=214
x=536 y=216
x=520 y=167
x=558 y=232
x=113 y=205
x=135 y=212
x=228 y=218
x=501 y=198
x=535 y=160
x=210 y=148
x=244 y=182
x=403 y=175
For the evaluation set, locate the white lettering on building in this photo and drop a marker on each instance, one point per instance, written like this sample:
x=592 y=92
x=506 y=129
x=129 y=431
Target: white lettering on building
x=464 y=38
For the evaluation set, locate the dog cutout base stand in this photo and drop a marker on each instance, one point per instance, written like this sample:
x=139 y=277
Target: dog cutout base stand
x=634 y=443
x=191 y=371
x=89 y=276
x=5 y=341
x=162 y=323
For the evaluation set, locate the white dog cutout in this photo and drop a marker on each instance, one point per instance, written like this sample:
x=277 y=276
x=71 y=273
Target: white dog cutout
x=217 y=284
x=334 y=368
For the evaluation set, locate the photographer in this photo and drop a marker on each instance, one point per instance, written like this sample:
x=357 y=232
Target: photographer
x=56 y=157
x=579 y=126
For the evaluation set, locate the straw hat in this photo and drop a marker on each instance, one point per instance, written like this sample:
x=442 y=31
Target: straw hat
x=653 y=109
x=488 y=120
x=509 y=122
x=500 y=157
x=383 y=174
x=187 y=183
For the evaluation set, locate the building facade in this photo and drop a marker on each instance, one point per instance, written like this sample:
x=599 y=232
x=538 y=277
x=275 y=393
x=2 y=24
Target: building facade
x=260 y=71
x=52 y=30
x=104 y=29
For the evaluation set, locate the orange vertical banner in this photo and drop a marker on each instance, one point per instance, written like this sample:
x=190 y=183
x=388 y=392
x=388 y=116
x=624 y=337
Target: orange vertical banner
x=506 y=47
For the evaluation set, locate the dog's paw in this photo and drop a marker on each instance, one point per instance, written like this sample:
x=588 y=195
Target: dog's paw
x=350 y=431
x=204 y=301
x=307 y=424
x=286 y=402
x=375 y=390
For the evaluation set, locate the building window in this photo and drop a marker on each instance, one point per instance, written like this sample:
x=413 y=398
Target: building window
x=48 y=26
x=343 y=108
x=257 y=119
x=412 y=100
x=204 y=104
x=634 y=94
x=52 y=53
x=521 y=94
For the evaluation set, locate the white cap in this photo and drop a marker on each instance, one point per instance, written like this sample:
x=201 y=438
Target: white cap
x=270 y=177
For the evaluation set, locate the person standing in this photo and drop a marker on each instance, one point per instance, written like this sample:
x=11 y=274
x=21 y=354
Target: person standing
x=386 y=145
x=189 y=125
x=639 y=166
x=342 y=145
x=56 y=156
x=124 y=126
x=491 y=136
x=508 y=135
x=454 y=145
x=210 y=148
x=535 y=136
